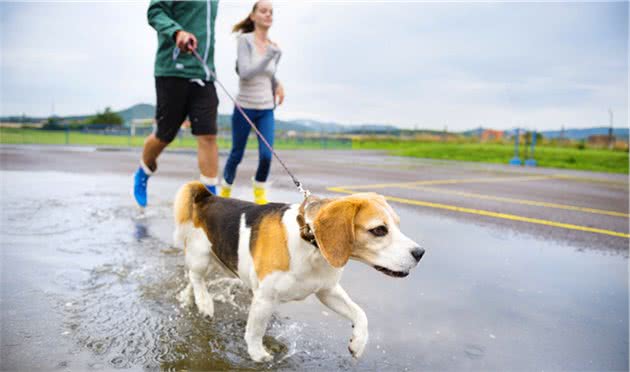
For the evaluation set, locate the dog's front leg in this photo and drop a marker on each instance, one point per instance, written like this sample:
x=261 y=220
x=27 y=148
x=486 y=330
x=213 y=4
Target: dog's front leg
x=259 y=314
x=338 y=300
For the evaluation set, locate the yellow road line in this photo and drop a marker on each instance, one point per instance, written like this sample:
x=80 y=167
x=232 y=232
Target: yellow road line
x=447 y=182
x=524 y=201
x=493 y=214
x=591 y=179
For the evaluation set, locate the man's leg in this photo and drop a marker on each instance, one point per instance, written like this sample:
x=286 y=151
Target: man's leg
x=153 y=147
x=202 y=111
x=208 y=158
x=170 y=113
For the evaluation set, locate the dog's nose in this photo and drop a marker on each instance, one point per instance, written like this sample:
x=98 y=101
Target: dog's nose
x=417 y=253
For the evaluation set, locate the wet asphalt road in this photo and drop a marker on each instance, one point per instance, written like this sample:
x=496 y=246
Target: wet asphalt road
x=601 y=199
x=511 y=279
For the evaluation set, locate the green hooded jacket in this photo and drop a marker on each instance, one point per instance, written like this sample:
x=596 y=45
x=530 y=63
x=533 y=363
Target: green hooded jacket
x=196 y=17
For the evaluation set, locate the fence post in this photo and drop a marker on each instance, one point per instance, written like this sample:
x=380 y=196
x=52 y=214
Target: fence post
x=516 y=160
x=130 y=137
x=67 y=135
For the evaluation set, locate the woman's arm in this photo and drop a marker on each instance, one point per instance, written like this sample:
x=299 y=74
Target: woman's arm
x=278 y=91
x=244 y=66
x=276 y=86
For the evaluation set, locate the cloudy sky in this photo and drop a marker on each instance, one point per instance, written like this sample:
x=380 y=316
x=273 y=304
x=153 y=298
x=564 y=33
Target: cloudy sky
x=410 y=64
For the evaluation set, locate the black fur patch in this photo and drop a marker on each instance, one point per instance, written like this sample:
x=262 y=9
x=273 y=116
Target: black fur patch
x=221 y=219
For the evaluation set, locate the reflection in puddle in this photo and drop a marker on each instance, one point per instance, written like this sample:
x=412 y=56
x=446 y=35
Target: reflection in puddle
x=141 y=231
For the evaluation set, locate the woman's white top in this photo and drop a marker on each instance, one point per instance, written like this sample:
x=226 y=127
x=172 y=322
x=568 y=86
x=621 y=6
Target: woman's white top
x=257 y=71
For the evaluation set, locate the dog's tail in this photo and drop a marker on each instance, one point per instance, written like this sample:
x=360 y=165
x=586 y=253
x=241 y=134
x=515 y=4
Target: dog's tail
x=183 y=208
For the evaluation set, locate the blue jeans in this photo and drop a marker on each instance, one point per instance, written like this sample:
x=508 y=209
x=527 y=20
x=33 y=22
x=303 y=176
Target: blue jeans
x=264 y=121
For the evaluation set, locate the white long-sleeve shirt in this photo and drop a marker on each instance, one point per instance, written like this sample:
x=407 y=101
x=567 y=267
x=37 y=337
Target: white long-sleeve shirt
x=257 y=74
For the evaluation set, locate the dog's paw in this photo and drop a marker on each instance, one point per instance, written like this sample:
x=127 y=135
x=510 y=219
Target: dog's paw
x=357 y=344
x=260 y=356
x=206 y=306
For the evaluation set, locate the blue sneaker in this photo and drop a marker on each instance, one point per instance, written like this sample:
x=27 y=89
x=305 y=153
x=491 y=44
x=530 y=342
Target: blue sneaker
x=212 y=189
x=140 y=179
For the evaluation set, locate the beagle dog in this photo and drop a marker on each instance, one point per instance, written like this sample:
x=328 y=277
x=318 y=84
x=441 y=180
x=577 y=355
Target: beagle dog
x=285 y=252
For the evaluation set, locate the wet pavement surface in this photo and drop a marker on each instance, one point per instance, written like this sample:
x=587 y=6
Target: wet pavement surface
x=89 y=282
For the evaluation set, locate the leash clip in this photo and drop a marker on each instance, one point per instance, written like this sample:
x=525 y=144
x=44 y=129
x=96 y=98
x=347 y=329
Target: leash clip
x=301 y=189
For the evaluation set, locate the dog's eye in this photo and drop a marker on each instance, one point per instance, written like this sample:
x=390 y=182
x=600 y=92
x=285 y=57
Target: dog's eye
x=379 y=231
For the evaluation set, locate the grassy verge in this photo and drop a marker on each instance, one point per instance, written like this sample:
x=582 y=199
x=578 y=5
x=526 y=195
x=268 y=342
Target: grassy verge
x=557 y=157
x=34 y=136
x=547 y=156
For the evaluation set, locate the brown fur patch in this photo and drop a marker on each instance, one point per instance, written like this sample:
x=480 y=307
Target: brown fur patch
x=269 y=246
x=183 y=206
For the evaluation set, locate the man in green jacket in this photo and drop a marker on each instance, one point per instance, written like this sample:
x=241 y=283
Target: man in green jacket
x=184 y=88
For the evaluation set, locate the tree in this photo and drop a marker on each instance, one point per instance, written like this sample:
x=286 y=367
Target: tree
x=106 y=117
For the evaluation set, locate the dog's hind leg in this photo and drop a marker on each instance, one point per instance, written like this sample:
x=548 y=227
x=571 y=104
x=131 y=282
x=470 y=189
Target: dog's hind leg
x=197 y=261
x=186 y=295
x=203 y=299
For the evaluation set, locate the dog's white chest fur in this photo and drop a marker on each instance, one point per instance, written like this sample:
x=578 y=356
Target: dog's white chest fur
x=308 y=270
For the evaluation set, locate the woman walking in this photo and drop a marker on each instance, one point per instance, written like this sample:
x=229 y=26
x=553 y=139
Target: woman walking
x=259 y=90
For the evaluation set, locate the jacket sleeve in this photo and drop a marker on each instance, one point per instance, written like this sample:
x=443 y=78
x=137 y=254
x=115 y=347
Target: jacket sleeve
x=244 y=66
x=160 y=17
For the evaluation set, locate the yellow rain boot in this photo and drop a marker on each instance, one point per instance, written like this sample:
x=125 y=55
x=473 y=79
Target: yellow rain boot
x=226 y=190
x=260 y=193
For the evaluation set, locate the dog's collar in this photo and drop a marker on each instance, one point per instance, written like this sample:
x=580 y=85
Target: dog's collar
x=306 y=233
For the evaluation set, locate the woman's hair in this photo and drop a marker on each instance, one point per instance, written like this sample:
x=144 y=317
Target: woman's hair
x=246 y=25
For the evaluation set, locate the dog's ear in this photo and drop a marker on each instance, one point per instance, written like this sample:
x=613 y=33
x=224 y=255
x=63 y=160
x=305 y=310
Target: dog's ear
x=334 y=230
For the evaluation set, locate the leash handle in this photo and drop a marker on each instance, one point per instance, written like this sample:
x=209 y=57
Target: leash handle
x=297 y=183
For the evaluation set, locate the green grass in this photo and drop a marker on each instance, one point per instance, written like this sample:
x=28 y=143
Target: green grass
x=547 y=156
x=600 y=160
x=36 y=136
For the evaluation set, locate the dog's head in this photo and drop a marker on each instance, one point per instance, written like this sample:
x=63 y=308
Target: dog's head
x=362 y=227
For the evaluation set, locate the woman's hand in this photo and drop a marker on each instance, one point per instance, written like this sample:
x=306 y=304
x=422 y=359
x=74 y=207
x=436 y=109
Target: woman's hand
x=279 y=98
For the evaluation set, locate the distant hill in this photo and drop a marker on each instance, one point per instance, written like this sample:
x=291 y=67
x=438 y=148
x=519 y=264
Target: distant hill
x=146 y=111
x=372 y=128
x=139 y=111
x=579 y=134
x=574 y=134
x=319 y=126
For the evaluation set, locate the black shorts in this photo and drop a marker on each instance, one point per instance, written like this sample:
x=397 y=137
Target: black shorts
x=180 y=97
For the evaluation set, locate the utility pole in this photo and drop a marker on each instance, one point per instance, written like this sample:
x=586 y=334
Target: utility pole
x=516 y=160
x=611 y=138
